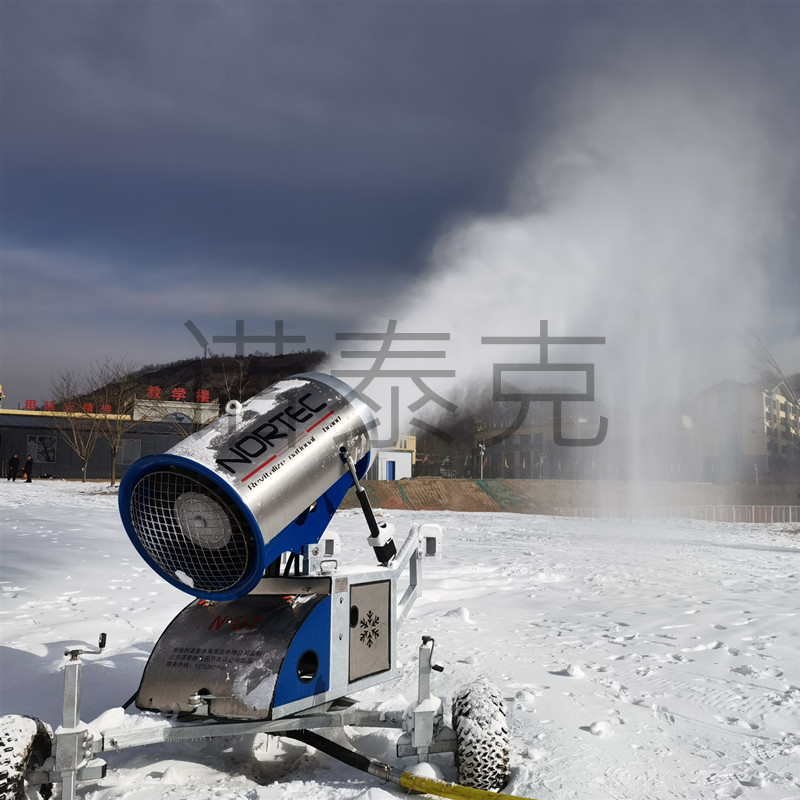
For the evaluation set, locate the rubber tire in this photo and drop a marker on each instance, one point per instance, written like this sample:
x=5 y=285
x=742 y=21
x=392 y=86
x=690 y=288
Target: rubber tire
x=25 y=743
x=482 y=741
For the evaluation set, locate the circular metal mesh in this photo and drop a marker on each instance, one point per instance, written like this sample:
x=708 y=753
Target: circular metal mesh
x=191 y=530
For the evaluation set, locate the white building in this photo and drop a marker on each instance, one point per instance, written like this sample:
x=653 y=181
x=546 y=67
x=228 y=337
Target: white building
x=390 y=465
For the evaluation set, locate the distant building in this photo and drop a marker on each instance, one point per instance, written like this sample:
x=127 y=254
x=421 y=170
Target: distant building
x=394 y=463
x=530 y=451
x=782 y=426
x=34 y=433
x=407 y=443
x=743 y=432
x=731 y=432
x=390 y=465
x=175 y=411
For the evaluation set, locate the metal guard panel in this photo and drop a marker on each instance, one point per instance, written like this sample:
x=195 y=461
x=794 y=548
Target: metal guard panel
x=314 y=640
x=307 y=528
x=231 y=650
x=256 y=560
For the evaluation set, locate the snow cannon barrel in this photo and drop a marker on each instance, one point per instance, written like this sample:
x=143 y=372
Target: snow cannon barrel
x=215 y=510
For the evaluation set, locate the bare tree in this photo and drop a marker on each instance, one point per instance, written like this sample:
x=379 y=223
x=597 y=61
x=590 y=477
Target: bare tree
x=113 y=386
x=772 y=376
x=776 y=384
x=236 y=378
x=74 y=424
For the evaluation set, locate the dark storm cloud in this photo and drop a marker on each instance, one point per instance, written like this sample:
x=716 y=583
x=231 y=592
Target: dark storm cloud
x=294 y=135
x=304 y=134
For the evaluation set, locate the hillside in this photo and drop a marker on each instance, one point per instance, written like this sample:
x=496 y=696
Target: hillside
x=552 y=497
x=228 y=377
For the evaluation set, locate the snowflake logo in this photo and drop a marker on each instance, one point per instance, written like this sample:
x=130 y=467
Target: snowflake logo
x=369 y=628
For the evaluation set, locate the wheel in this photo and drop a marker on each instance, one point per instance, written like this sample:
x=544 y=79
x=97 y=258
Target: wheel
x=25 y=744
x=482 y=743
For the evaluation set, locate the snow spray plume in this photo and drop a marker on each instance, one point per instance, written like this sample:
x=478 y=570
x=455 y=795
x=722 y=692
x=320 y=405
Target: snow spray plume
x=640 y=220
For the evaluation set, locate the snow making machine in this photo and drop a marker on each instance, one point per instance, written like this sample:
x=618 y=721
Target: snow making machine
x=278 y=634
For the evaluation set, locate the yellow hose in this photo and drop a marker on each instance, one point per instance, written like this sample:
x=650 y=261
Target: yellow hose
x=454 y=791
x=409 y=781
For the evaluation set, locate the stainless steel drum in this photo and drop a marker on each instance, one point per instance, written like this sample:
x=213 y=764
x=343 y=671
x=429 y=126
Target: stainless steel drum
x=214 y=511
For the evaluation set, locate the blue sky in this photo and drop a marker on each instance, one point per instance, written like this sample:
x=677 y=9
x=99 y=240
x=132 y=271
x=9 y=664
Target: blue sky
x=215 y=161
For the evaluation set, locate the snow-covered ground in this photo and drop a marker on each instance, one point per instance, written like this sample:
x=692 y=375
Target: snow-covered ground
x=639 y=660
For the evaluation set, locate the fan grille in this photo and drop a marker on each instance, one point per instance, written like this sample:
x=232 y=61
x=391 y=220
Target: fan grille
x=174 y=513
